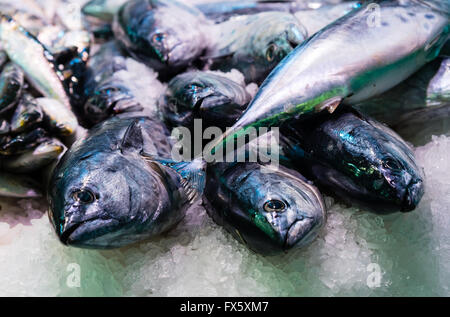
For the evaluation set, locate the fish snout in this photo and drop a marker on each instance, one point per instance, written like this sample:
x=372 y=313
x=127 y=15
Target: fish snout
x=413 y=194
x=301 y=232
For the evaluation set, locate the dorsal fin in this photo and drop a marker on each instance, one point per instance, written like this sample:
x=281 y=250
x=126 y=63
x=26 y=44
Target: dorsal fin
x=133 y=139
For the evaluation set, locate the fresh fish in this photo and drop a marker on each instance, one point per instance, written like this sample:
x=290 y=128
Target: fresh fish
x=89 y=204
x=116 y=84
x=163 y=34
x=358 y=56
x=18 y=186
x=355 y=158
x=255 y=44
x=209 y=96
x=11 y=84
x=28 y=114
x=33 y=58
x=22 y=142
x=58 y=119
x=429 y=87
x=35 y=159
x=269 y=211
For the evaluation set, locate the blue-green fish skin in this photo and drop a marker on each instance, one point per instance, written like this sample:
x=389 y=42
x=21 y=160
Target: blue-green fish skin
x=209 y=96
x=89 y=205
x=241 y=197
x=166 y=35
x=345 y=62
x=11 y=84
x=357 y=159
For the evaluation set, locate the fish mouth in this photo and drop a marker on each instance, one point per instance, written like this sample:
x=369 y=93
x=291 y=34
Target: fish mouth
x=80 y=233
x=413 y=194
x=301 y=233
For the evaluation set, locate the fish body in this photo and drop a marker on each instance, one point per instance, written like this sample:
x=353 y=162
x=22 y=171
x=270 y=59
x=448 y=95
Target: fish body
x=210 y=96
x=105 y=192
x=35 y=159
x=345 y=63
x=116 y=84
x=11 y=84
x=357 y=159
x=428 y=88
x=255 y=44
x=102 y=9
x=163 y=34
x=33 y=58
x=270 y=211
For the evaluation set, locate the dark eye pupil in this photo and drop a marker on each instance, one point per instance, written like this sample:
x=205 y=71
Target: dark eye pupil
x=84 y=196
x=274 y=205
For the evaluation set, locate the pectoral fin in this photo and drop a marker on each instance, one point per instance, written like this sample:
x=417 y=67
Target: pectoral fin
x=192 y=174
x=330 y=104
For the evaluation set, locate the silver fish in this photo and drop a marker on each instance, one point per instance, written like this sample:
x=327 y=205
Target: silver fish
x=358 y=56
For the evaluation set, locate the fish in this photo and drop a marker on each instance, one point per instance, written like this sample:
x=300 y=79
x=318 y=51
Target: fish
x=35 y=159
x=33 y=58
x=116 y=84
x=166 y=35
x=11 y=85
x=18 y=186
x=254 y=44
x=428 y=88
x=58 y=119
x=346 y=63
x=14 y=144
x=206 y=95
x=27 y=115
x=355 y=158
x=269 y=210
x=119 y=186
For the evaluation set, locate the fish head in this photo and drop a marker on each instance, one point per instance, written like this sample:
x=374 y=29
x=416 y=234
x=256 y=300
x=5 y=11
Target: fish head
x=272 y=41
x=380 y=162
x=402 y=178
x=161 y=34
x=275 y=209
x=110 y=97
x=207 y=96
x=97 y=200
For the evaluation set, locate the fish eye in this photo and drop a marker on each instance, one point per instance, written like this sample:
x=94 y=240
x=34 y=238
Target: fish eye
x=274 y=205
x=158 y=37
x=84 y=196
x=270 y=53
x=390 y=163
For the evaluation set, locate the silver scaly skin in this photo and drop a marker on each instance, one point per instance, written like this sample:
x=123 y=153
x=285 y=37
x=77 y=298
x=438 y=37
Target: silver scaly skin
x=344 y=63
x=33 y=58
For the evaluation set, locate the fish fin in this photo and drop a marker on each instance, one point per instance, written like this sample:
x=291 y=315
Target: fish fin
x=330 y=104
x=133 y=139
x=192 y=174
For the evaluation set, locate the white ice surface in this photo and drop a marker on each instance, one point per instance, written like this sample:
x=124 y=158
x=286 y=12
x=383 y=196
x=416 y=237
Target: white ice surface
x=199 y=258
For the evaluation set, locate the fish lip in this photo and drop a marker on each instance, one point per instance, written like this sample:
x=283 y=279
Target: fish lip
x=67 y=232
x=413 y=194
x=291 y=240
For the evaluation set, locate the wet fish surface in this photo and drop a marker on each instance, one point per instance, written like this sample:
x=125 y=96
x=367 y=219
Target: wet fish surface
x=110 y=189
